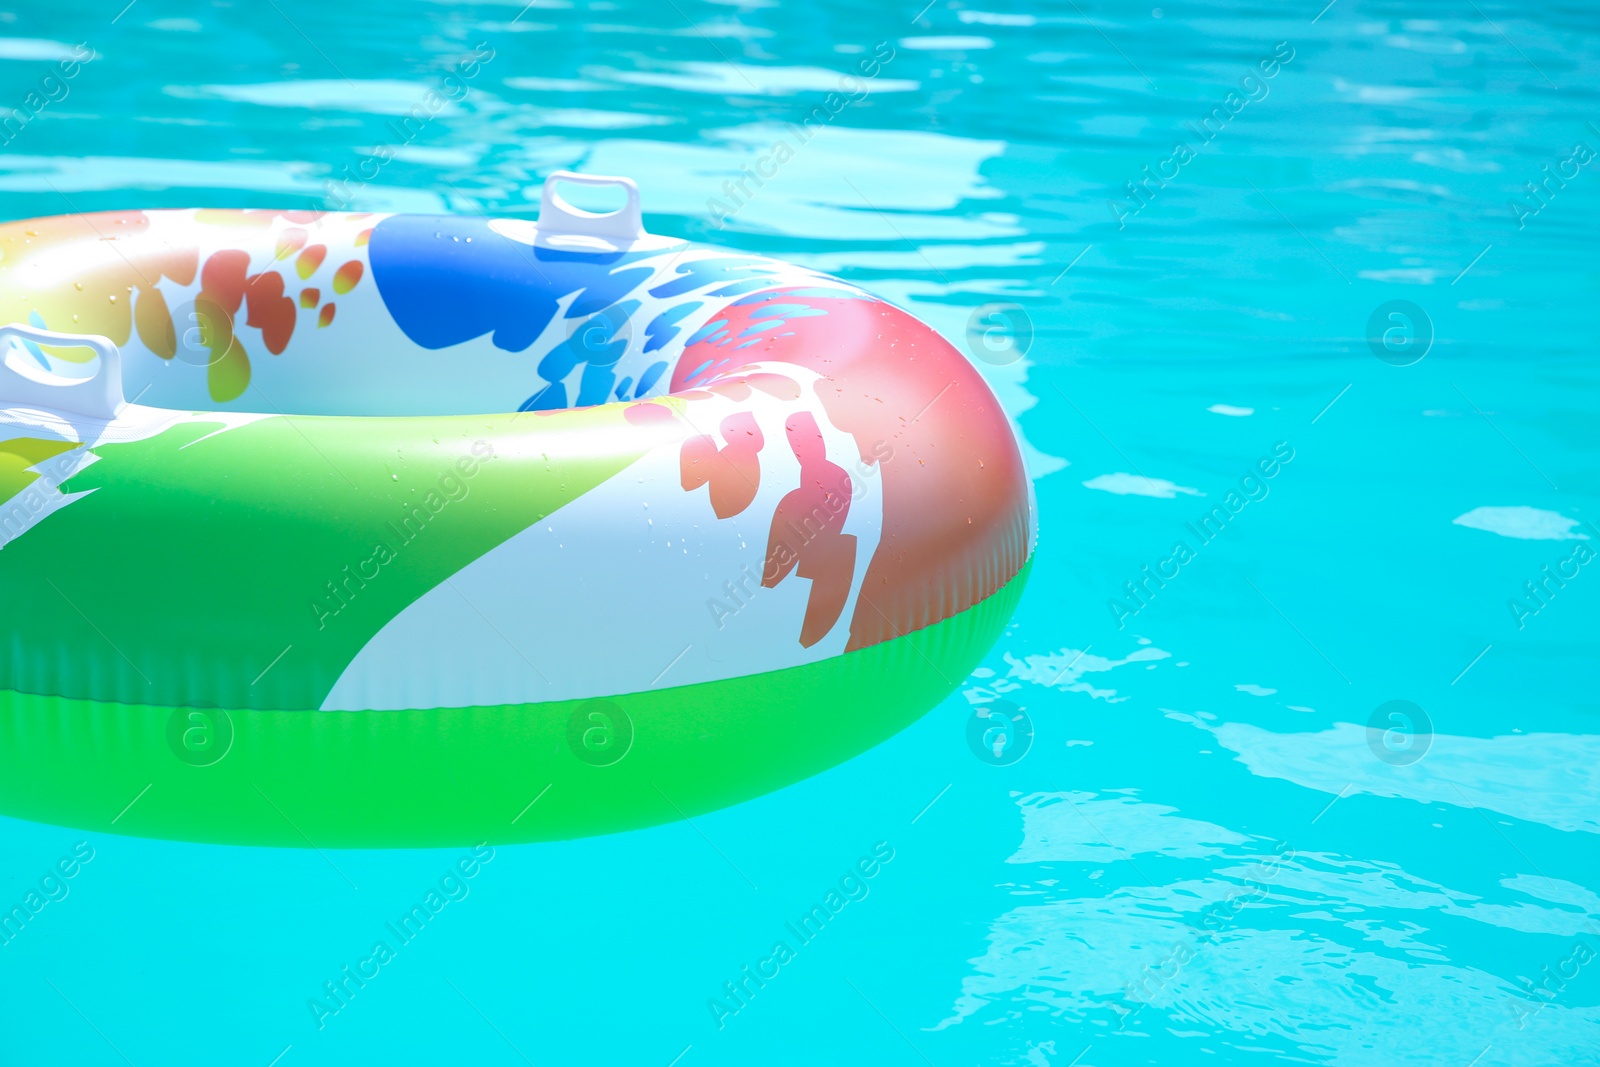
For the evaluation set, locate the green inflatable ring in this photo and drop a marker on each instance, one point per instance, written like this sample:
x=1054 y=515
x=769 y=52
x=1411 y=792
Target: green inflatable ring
x=432 y=530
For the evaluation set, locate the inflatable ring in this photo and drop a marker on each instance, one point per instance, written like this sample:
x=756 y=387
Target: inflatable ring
x=357 y=530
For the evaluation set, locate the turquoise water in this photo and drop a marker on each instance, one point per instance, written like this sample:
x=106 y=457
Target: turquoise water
x=1224 y=842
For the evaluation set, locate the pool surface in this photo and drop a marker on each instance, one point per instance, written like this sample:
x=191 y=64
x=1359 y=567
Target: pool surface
x=1291 y=751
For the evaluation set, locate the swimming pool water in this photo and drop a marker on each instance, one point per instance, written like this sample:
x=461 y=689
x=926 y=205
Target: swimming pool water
x=1303 y=744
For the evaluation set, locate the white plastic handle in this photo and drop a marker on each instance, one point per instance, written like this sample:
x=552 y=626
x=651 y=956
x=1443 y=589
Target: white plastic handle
x=557 y=217
x=98 y=397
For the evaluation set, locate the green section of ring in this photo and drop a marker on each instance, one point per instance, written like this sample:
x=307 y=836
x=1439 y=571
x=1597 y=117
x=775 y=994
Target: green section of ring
x=201 y=556
x=457 y=776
